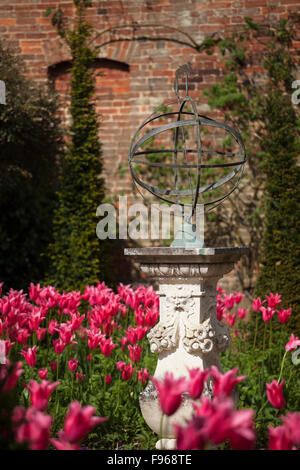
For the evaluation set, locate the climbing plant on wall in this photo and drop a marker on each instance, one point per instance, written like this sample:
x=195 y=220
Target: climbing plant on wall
x=77 y=255
x=264 y=211
x=30 y=142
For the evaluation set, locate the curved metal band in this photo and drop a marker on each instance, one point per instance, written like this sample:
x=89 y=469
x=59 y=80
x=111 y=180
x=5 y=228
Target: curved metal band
x=183 y=165
x=188 y=122
x=215 y=202
x=195 y=120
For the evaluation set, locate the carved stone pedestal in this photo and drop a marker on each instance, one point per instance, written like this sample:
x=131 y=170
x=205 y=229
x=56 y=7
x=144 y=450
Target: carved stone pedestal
x=188 y=334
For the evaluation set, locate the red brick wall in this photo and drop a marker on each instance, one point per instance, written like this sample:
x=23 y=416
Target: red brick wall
x=135 y=75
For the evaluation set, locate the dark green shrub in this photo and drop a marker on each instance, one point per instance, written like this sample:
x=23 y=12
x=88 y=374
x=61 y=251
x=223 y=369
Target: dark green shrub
x=76 y=254
x=280 y=259
x=264 y=212
x=30 y=140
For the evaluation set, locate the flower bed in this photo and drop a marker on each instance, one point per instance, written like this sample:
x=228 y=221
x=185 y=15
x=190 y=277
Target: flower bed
x=72 y=356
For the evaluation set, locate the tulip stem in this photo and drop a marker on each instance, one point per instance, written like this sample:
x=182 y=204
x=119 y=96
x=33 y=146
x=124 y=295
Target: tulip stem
x=256 y=328
x=118 y=398
x=161 y=429
x=261 y=408
x=270 y=338
x=281 y=369
x=264 y=340
x=280 y=341
x=279 y=378
x=56 y=399
x=72 y=385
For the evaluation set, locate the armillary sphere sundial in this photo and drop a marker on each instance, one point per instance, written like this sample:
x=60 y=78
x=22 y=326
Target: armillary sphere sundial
x=184 y=158
x=199 y=175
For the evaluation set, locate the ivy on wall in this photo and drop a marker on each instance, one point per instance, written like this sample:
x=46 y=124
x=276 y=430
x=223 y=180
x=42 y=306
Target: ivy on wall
x=78 y=257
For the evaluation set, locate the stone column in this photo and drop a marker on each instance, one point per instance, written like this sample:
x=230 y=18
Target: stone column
x=188 y=334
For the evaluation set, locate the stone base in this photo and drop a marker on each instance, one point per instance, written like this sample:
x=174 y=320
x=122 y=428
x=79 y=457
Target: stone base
x=167 y=444
x=151 y=411
x=188 y=334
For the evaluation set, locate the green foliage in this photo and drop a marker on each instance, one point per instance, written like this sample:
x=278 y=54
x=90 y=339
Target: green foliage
x=8 y=400
x=30 y=141
x=118 y=401
x=76 y=254
x=260 y=107
x=261 y=363
x=280 y=258
x=226 y=94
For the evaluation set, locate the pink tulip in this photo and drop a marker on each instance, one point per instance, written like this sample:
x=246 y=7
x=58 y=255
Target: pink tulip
x=30 y=356
x=170 y=392
x=284 y=315
x=22 y=336
x=230 y=318
x=139 y=315
x=225 y=383
x=8 y=346
x=43 y=373
x=120 y=365
x=229 y=301
x=257 y=304
x=292 y=424
x=53 y=366
x=61 y=444
x=242 y=312
x=151 y=317
x=18 y=414
x=94 y=338
x=69 y=302
x=2 y=327
x=40 y=333
x=293 y=343
x=222 y=422
x=80 y=377
x=40 y=393
x=238 y=297
x=53 y=327
x=76 y=321
x=220 y=311
x=124 y=341
x=127 y=371
x=79 y=422
x=131 y=334
x=241 y=434
x=35 y=319
x=220 y=290
x=35 y=429
x=141 y=332
x=108 y=379
x=34 y=291
x=59 y=346
x=273 y=300
x=279 y=438
x=66 y=333
x=197 y=381
x=192 y=436
x=73 y=364
x=236 y=334
x=143 y=375
x=107 y=347
x=267 y=313
x=11 y=378
x=135 y=352
x=275 y=394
